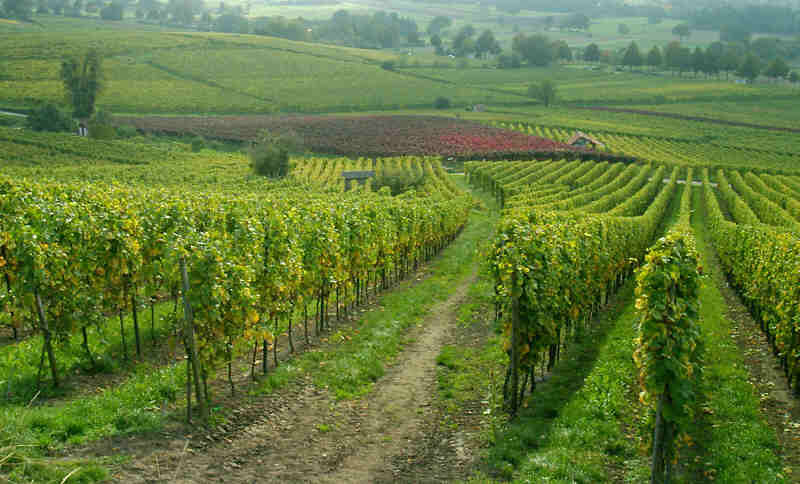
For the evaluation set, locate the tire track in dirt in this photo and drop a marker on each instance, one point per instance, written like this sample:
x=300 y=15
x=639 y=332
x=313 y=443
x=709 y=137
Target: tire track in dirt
x=303 y=434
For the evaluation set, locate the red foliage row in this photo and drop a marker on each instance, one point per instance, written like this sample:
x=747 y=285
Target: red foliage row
x=360 y=136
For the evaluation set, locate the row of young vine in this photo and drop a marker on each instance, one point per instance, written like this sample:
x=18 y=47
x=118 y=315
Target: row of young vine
x=762 y=262
x=73 y=254
x=555 y=264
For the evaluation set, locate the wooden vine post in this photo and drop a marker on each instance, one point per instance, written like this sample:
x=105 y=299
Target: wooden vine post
x=191 y=345
x=515 y=322
x=48 y=343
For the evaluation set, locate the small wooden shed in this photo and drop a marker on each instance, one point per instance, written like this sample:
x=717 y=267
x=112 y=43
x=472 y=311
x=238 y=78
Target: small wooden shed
x=360 y=176
x=583 y=140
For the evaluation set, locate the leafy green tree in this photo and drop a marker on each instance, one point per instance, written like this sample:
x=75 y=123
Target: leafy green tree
x=591 y=53
x=730 y=61
x=563 y=52
x=437 y=43
x=632 y=57
x=654 y=57
x=438 y=24
x=230 y=23
x=750 y=68
x=677 y=58
x=113 y=11
x=682 y=31
x=269 y=156
x=713 y=61
x=441 y=102
x=486 y=44
x=463 y=43
x=794 y=78
x=21 y=9
x=83 y=82
x=48 y=117
x=777 y=69
x=623 y=29
x=698 y=61
x=545 y=92
x=577 y=21
x=536 y=49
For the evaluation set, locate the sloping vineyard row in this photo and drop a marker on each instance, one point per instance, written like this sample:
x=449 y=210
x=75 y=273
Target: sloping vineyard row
x=763 y=263
x=70 y=254
x=555 y=264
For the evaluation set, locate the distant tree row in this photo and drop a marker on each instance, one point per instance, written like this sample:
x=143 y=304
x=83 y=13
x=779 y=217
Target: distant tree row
x=466 y=42
x=714 y=60
x=743 y=21
x=535 y=50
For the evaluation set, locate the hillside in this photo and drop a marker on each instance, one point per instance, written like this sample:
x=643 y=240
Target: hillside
x=220 y=73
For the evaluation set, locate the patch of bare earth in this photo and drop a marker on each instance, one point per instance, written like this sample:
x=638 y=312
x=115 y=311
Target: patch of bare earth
x=778 y=404
x=303 y=434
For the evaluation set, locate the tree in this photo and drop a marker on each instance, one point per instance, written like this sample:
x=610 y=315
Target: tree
x=536 y=49
x=750 y=68
x=230 y=23
x=794 y=78
x=112 y=11
x=441 y=102
x=592 y=53
x=269 y=156
x=623 y=29
x=677 y=58
x=698 y=62
x=83 y=81
x=486 y=44
x=462 y=43
x=713 y=61
x=681 y=30
x=48 y=117
x=544 y=92
x=438 y=24
x=563 y=52
x=654 y=58
x=632 y=56
x=777 y=69
x=577 y=21
x=21 y=9
x=730 y=61
x=436 y=42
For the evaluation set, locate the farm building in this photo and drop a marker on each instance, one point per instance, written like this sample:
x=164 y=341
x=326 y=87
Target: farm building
x=583 y=140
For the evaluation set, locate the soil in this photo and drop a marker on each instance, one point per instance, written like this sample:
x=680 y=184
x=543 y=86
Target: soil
x=778 y=405
x=303 y=434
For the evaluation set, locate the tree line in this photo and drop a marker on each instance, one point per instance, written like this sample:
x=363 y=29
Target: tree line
x=718 y=58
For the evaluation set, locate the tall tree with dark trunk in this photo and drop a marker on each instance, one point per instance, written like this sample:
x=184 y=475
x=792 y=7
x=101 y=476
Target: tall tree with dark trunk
x=654 y=58
x=83 y=81
x=632 y=57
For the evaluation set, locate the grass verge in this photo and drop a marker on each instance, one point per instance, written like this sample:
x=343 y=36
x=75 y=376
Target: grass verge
x=738 y=443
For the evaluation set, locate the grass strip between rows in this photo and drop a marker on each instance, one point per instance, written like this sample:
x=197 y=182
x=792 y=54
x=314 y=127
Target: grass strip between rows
x=739 y=445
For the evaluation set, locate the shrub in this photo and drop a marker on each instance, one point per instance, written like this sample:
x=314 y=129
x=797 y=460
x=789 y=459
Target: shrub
x=127 y=131
x=397 y=181
x=101 y=126
x=441 y=102
x=198 y=143
x=388 y=65
x=269 y=156
x=48 y=117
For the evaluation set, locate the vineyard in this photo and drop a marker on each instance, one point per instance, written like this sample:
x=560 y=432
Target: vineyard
x=359 y=135
x=682 y=151
x=570 y=235
x=220 y=73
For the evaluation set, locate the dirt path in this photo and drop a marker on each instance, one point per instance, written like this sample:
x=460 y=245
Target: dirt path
x=304 y=435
